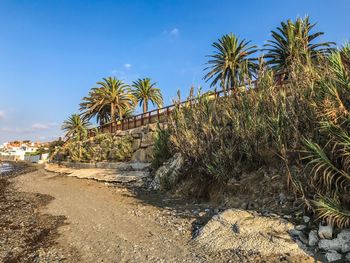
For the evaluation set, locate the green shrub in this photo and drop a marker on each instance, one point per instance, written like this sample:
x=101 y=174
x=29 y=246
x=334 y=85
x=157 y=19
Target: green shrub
x=162 y=147
x=328 y=156
x=103 y=147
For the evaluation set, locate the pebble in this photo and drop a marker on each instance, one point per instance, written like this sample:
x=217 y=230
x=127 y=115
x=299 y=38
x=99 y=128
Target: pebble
x=282 y=198
x=306 y=219
x=313 y=238
x=300 y=227
x=332 y=256
x=325 y=231
x=202 y=214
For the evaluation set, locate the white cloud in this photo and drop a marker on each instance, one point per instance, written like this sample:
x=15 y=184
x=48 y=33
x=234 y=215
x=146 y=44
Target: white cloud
x=127 y=66
x=40 y=126
x=114 y=72
x=16 y=130
x=174 y=32
x=44 y=126
x=2 y=114
x=33 y=128
x=52 y=124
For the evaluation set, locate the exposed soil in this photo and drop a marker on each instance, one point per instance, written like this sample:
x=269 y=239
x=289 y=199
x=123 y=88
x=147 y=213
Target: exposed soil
x=25 y=234
x=67 y=219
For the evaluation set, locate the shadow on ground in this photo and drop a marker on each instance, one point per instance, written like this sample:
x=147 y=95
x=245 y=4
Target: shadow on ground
x=26 y=235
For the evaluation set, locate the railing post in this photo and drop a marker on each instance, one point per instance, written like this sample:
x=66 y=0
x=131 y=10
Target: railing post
x=149 y=117
x=134 y=121
x=142 y=119
x=158 y=114
x=128 y=124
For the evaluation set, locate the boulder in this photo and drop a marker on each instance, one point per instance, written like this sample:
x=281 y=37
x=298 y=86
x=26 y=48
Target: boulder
x=250 y=233
x=332 y=256
x=120 y=133
x=345 y=247
x=137 y=131
x=328 y=245
x=325 y=231
x=147 y=140
x=344 y=235
x=135 y=145
x=143 y=155
x=167 y=175
x=136 y=135
x=313 y=238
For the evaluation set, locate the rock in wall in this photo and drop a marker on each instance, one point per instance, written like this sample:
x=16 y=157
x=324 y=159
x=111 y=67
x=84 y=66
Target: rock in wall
x=143 y=141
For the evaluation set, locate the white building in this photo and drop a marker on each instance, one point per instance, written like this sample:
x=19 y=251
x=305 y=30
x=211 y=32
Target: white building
x=17 y=150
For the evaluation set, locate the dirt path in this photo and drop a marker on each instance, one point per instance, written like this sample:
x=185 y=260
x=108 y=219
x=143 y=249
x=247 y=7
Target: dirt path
x=111 y=224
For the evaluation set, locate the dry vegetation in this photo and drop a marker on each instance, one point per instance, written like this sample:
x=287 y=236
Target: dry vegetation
x=303 y=123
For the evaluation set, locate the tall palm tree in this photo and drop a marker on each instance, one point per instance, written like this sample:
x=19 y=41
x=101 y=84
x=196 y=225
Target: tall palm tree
x=91 y=108
x=231 y=64
x=111 y=99
x=292 y=43
x=75 y=126
x=144 y=91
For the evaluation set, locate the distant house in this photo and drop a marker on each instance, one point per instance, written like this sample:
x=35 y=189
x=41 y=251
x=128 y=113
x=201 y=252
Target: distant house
x=18 y=150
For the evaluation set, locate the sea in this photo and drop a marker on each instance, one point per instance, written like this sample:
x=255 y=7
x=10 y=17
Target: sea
x=5 y=167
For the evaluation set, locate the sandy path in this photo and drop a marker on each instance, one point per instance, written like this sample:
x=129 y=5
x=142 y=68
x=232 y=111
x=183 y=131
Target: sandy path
x=109 y=224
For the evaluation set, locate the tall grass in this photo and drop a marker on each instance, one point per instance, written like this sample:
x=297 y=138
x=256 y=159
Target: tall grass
x=251 y=127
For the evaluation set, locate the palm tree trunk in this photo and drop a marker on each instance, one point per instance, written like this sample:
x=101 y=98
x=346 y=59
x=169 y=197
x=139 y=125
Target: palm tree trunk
x=145 y=106
x=223 y=86
x=113 y=119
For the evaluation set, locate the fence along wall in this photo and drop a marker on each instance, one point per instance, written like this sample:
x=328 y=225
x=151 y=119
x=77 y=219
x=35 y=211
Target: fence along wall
x=161 y=115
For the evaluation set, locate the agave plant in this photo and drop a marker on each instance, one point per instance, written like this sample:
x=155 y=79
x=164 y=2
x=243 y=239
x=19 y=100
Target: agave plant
x=329 y=160
x=231 y=64
x=145 y=91
x=293 y=43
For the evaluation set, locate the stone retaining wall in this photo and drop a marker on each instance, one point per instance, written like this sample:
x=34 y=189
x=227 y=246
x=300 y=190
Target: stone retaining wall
x=143 y=141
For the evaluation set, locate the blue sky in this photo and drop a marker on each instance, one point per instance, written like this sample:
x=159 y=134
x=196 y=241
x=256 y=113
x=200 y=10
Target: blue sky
x=53 y=52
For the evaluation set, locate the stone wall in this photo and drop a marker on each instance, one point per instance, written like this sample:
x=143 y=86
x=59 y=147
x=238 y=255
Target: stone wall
x=143 y=141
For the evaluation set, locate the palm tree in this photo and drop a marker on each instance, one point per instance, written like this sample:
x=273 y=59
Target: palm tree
x=144 y=91
x=91 y=108
x=294 y=43
x=111 y=99
x=75 y=126
x=230 y=64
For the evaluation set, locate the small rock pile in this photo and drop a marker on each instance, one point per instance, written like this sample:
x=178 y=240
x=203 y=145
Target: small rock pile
x=323 y=240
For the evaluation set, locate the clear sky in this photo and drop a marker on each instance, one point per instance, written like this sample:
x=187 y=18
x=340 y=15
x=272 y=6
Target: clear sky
x=52 y=52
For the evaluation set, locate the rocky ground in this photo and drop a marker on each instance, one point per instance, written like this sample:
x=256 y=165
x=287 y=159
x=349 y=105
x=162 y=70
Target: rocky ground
x=47 y=217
